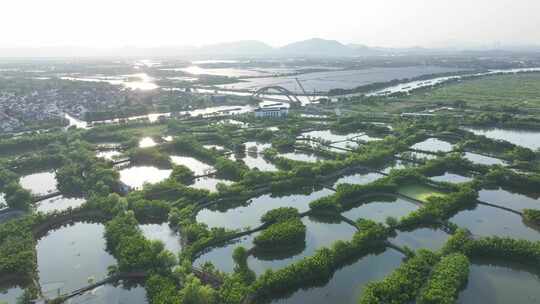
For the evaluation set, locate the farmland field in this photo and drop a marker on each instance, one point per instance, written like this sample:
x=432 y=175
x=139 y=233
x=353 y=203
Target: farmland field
x=507 y=90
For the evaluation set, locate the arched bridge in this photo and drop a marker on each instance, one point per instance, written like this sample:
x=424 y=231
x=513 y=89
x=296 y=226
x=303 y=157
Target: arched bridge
x=280 y=90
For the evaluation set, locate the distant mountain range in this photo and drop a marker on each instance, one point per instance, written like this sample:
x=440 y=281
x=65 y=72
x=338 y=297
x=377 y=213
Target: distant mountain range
x=315 y=48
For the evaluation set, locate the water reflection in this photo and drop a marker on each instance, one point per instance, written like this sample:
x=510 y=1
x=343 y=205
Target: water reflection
x=163 y=233
x=327 y=135
x=221 y=257
x=347 y=284
x=39 y=183
x=318 y=235
x=429 y=238
x=380 y=209
x=489 y=221
x=59 y=204
x=214 y=147
x=147 y=142
x=109 y=294
x=195 y=165
x=108 y=155
x=523 y=138
x=397 y=165
x=254 y=158
x=452 y=178
x=139 y=81
x=483 y=160
x=507 y=199
x=137 y=176
x=10 y=295
x=498 y=283
x=249 y=216
x=359 y=179
x=71 y=256
x=433 y=145
x=209 y=183
x=256 y=161
x=300 y=156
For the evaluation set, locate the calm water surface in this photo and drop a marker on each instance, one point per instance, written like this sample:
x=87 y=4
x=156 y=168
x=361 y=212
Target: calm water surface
x=250 y=215
x=300 y=156
x=256 y=161
x=433 y=145
x=419 y=155
x=347 y=284
x=70 y=256
x=136 y=176
x=359 y=179
x=10 y=294
x=222 y=257
x=348 y=79
x=318 y=235
x=397 y=164
x=329 y=136
x=523 y=138
x=230 y=72
x=59 y=204
x=109 y=294
x=433 y=239
x=484 y=160
x=507 y=199
x=209 y=183
x=259 y=146
x=39 y=183
x=215 y=147
x=109 y=155
x=164 y=233
x=452 y=178
x=348 y=145
x=195 y=165
x=147 y=142
x=500 y=284
x=489 y=221
x=379 y=210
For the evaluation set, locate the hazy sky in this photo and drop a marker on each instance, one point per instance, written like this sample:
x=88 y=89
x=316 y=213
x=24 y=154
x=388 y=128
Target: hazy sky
x=114 y=23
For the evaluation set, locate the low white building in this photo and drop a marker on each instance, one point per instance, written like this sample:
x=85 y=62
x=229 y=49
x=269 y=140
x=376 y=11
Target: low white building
x=271 y=112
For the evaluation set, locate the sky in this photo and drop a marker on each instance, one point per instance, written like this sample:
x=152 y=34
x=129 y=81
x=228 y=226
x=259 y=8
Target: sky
x=388 y=23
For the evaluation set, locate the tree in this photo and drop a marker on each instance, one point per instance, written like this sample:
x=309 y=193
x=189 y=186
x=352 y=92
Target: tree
x=182 y=174
x=246 y=275
x=17 y=197
x=194 y=292
x=6 y=177
x=229 y=169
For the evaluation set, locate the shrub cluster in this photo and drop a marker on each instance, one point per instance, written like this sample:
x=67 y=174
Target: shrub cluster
x=132 y=250
x=279 y=214
x=438 y=208
x=150 y=156
x=321 y=266
x=532 y=216
x=403 y=285
x=281 y=234
x=446 y=280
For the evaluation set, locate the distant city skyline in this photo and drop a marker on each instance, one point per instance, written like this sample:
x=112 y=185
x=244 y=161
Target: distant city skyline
x=386 y=23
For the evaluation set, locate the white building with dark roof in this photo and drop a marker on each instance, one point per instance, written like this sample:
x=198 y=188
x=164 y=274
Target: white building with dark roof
x=272 y=111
